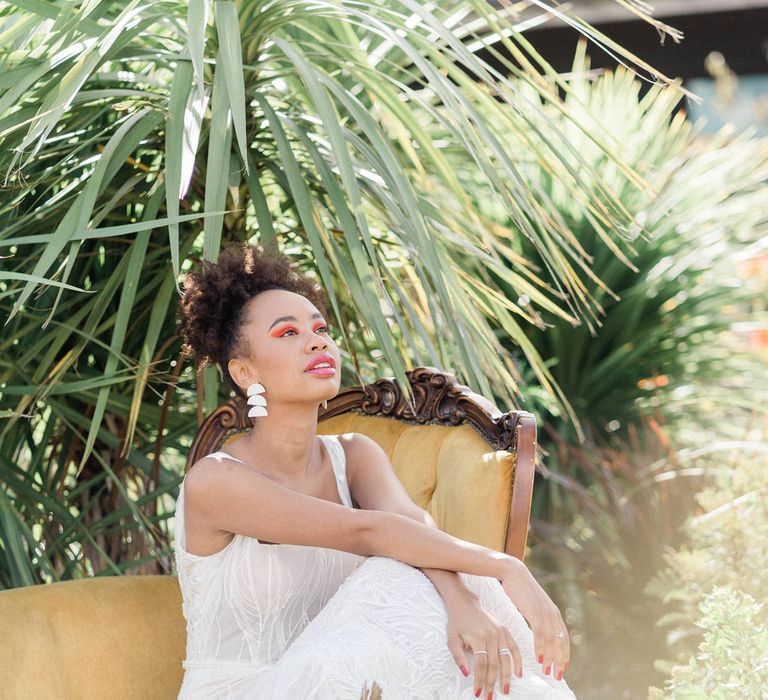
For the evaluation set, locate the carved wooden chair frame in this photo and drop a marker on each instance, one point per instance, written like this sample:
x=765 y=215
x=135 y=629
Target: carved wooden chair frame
x=439 y=400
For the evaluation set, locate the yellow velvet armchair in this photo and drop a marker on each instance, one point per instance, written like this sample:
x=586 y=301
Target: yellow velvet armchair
x=106 y=638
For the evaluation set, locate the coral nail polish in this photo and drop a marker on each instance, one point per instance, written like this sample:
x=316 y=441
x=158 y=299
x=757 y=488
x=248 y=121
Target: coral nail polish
x=506 y=689
x=541 y=658
x=477 y=692
x=464 y=670
x=560 y=676
x=546 y=670
x=490 y=696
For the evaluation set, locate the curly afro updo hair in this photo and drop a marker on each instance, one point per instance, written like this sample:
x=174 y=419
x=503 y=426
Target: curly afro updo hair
x=211 y=310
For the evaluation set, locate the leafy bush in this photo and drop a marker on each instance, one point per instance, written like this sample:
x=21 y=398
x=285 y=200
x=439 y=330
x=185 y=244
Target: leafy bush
x=732 y=660
x=717 y=583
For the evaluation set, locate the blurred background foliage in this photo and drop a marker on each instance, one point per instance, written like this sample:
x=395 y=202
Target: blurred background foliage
x=577 y=233
x=666 y=392
x=673 y=403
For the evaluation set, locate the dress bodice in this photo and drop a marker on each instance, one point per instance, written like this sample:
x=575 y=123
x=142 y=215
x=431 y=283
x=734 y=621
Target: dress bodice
x=246 y=603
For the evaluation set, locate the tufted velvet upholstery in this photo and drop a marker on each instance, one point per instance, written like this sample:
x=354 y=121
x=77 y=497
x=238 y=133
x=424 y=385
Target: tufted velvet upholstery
x=115 y=637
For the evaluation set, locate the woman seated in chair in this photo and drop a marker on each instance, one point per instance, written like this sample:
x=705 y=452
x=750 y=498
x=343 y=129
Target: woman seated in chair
x=305 y=569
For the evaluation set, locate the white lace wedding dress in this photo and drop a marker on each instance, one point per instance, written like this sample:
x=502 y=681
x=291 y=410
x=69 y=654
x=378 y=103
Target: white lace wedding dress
x=292 y=622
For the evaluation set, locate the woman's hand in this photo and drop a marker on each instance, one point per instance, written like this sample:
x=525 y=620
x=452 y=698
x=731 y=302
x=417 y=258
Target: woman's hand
x=551 y=641
x=471 y=628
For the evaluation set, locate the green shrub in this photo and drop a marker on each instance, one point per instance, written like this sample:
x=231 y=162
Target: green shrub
x=717 y=585
x=732 y=660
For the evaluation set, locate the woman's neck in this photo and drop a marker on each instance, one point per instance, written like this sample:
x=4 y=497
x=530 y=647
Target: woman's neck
x=286 y=449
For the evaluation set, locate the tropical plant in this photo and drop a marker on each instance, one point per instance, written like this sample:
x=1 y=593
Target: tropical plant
x=305 y=126
x=665 y=292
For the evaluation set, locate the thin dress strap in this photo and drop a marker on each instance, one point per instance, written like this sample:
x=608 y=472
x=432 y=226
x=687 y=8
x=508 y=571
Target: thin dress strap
x=339 y=462
x=224 y=454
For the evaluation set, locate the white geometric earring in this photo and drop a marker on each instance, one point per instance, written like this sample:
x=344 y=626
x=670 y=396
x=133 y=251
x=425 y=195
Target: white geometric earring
x=258 y=402
x=325 y=404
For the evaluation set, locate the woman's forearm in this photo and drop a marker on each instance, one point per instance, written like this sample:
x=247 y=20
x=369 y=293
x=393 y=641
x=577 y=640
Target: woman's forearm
x=448 y=583
x=400 y=537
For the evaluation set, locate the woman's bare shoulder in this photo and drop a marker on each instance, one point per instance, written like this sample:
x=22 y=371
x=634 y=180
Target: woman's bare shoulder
x=212 y=461
x=354 y=445
x=349 y=441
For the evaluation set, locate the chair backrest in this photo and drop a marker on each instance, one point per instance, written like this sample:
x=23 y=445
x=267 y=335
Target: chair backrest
x=460 y=458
